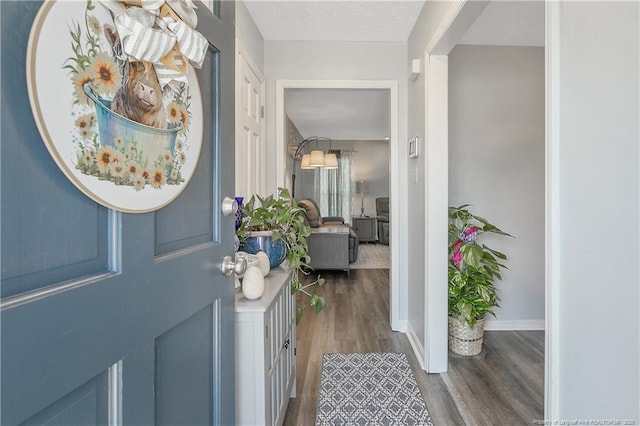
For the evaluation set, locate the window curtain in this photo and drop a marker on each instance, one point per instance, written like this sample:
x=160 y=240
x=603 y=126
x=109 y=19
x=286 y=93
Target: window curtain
x=334 y=189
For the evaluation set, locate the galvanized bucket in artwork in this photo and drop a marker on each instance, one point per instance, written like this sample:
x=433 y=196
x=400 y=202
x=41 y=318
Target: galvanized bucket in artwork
x=152 y=141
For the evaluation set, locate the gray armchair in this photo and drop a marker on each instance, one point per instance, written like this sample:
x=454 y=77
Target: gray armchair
x=382 y=212
x=320 y=248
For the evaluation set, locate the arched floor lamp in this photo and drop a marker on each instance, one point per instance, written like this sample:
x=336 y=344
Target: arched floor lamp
x=313 y=160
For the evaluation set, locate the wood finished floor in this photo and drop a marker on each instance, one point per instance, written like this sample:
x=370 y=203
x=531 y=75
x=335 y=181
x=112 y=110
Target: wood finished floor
x=501 y=386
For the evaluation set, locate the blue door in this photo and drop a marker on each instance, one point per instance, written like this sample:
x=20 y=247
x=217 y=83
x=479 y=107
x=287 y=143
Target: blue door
x=112 y=318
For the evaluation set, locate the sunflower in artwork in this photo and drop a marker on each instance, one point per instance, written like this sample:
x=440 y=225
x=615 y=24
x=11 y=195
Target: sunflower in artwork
x=116 y=157
x=105 y=73
x=173 y=112
x=79 y=80
x=103 y=159
x=158 y=178
x=145 y=174
x=184 y=117
x=86 y=121
x=133 y=168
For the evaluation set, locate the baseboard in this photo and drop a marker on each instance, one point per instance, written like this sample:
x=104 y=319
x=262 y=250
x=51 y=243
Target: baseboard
x=418 y=350
x=514 y=325
x=400 y=326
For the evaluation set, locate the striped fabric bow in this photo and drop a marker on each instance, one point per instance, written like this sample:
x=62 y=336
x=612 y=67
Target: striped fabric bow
x=160 y=32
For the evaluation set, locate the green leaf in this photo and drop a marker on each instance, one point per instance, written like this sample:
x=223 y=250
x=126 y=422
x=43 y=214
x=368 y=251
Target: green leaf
x=471 y=291
x=471 y=254
x=282 y=216
x=496 y=253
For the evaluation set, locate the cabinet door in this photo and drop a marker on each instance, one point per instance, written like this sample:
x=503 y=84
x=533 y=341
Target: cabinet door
x=280 y=376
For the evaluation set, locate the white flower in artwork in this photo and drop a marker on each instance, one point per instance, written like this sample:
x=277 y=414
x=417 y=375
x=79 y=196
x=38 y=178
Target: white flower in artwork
x=117 y=169
x=139 y=183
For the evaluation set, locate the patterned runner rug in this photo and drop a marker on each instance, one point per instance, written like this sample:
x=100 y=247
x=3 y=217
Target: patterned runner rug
x=369 y=389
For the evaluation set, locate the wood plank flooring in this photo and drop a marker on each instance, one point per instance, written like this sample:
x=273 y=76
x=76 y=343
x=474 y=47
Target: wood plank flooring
x=503 y=385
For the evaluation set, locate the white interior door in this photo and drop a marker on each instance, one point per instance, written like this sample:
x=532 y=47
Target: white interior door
x=250 y=145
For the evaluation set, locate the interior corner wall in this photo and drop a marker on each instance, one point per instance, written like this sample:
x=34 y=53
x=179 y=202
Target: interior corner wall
x=429 y=20
x=497 y=164
x=249 y=34
x=597 y=157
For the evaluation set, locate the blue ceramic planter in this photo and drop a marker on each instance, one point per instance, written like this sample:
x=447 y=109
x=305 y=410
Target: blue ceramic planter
x=275 y=250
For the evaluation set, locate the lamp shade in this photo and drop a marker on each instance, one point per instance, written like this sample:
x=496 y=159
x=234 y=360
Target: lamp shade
x=317 y=158
x=304 y=162
x=330 y=161
x=362 y=187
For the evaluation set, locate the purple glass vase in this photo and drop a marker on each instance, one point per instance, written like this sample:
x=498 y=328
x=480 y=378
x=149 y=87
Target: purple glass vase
x=239 y=212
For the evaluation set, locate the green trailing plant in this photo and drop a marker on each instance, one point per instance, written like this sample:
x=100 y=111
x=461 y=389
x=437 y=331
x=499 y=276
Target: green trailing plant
x=473 y=268
x=285 y=219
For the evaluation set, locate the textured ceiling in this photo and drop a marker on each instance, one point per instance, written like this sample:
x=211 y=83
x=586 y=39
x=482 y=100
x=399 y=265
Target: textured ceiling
x=508 y=23
x=335 y=20
x=339 y=114
x=364 y=114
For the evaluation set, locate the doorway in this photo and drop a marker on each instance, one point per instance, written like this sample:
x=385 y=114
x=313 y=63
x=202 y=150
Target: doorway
x=437 y=91
x=395 y=231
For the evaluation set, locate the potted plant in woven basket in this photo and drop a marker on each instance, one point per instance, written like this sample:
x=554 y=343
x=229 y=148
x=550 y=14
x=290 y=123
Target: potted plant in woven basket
x=473 y=270
x=276 y=226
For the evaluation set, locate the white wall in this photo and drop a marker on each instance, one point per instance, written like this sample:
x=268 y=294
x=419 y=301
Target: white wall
x=426 y=25
x=496 y=164
x=372 y=166
x=300 y=60
x=249 y=34
x=595 y=299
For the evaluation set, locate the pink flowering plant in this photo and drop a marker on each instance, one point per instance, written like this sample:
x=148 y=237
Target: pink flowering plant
x=473 y=268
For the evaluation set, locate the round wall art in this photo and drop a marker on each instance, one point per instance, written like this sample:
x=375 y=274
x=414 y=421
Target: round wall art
x=121 y=137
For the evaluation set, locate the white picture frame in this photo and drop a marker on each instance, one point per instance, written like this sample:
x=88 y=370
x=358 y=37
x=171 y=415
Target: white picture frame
x=414 y=147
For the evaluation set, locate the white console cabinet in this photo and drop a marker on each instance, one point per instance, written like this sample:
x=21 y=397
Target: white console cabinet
x=265 y=352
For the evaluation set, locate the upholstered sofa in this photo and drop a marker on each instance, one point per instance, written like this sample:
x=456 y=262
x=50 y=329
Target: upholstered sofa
x=382 y=213
x=327 y=246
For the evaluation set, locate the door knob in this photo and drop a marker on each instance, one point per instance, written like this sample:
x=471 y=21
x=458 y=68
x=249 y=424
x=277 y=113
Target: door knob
x=229 y=206
x=229 y=266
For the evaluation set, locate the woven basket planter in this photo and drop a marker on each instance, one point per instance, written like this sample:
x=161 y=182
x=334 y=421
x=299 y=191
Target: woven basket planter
x=464 y=340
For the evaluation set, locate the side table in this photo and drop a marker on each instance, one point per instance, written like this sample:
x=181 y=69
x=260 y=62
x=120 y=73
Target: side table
x=366 y=228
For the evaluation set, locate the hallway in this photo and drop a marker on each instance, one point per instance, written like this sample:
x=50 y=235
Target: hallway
x=502 y=385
